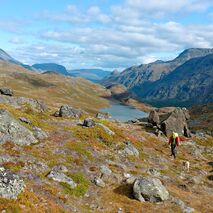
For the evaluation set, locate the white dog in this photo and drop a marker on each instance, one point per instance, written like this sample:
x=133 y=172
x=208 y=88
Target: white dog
x=186 y=165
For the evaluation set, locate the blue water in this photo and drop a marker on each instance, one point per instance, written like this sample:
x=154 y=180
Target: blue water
x=123 y=113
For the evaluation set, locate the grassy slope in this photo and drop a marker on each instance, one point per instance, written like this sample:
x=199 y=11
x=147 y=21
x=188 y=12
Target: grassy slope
x=52 y=89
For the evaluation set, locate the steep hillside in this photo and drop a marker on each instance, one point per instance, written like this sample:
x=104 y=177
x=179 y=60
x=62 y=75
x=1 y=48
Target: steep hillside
x=189 y=84
x=52 y=88
x=7 y=58
x=138 y=75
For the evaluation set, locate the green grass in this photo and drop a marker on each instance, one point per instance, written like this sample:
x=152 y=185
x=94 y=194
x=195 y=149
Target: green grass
x=82 y=185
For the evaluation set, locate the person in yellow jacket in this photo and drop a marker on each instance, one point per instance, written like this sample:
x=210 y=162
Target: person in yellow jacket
x=174 y=140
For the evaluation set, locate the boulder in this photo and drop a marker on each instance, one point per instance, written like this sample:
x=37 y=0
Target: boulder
x=89 y=122
x=102 y=116
x=173 y=119
x=99 y=182
x=39 y=133
x=61 y=177
x=18 y=102
x=153 y=117
x=25 y=120
x=11 y=130
x=105 y=170
x=6 y=91
x=11 y=185
x=129 y=150
x=149 y=189
x=69 y=112
x=106 y=129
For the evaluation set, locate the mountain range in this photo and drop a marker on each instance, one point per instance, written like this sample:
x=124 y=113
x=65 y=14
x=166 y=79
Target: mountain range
x=177 y=82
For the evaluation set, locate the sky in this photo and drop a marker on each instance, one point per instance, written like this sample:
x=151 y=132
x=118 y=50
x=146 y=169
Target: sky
x=107 y=34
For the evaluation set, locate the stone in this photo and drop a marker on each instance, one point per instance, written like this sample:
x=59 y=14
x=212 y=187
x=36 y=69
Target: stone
x=17 y=102
x=6 y=91
x=25 y=120
x=61 y=177
x=11 y=185
x=129 y=150
x=183 y=206
x=131 y=180
x=153 y=172
x=69 y=112
x=11 y=130
x=177 y=122
x=153 y=118
x=99 y=182
x=149 y=189
x=39 y=133
x=105 y=170
x=106 y=129
x=102 y=116
x=89 y=123
x=60 y=168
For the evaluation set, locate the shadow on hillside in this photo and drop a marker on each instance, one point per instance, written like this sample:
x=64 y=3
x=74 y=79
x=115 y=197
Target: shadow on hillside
x=210 y=177
x=125 y=190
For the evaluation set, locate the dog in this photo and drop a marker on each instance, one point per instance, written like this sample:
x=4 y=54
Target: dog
x=186 y=165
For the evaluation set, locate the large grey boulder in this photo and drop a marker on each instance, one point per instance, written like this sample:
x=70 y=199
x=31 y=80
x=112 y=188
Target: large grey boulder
x=59 y=176
x=6 y=91
x=129 y=150
x=11 y=185
x=18 y=102
x=89 y=122
x=69 y=112
x=149 y=189
x=171 y=119
x=11 y=130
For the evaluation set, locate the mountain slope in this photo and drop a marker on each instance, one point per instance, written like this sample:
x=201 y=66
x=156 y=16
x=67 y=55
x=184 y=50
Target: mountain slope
x=94 y=75
x=189 y=84
x=52 y=88
x=138 y=75
x=51 y=67
x=7 y=58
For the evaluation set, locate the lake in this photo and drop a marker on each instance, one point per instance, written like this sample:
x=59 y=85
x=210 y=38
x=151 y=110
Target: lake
x=123 y=113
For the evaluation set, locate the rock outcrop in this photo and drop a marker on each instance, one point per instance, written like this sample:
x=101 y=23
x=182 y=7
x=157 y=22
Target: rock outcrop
x=57 y=175
x=67 y=111
x=129 y=150
x=18 y=102
x=11 y=130
x=150 y=189
x=6 y=91
x=39 y=133
x=11 y=185
x=89 y=122
x=167 y=122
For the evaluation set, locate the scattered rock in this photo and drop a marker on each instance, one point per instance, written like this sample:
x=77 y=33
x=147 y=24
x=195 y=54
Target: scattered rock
x=11 y=130
x=153 y=172
x=183 y=206
x=89 y=123
x=39 y=133
x=102 y=116
x=11 y=185
x=61 y=177
x=150 y=189
x=105 y=171
x=129 y=150
x=18 y=102
x=99 y=182
x=6 y=91
x=69 y=112
x=60 y=168
x=106 y=129
x=25 y=120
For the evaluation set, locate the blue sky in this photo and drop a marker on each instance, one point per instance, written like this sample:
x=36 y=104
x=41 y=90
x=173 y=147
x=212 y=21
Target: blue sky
x=108 y=34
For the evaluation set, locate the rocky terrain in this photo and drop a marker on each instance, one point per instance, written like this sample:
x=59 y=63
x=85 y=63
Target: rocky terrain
x=57 y=156
x=177 y=82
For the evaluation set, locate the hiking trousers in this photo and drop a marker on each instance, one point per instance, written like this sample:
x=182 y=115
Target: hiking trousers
x=173 y=150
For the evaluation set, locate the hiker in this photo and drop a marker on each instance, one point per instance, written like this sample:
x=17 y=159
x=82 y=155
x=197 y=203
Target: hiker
x=174 y=140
